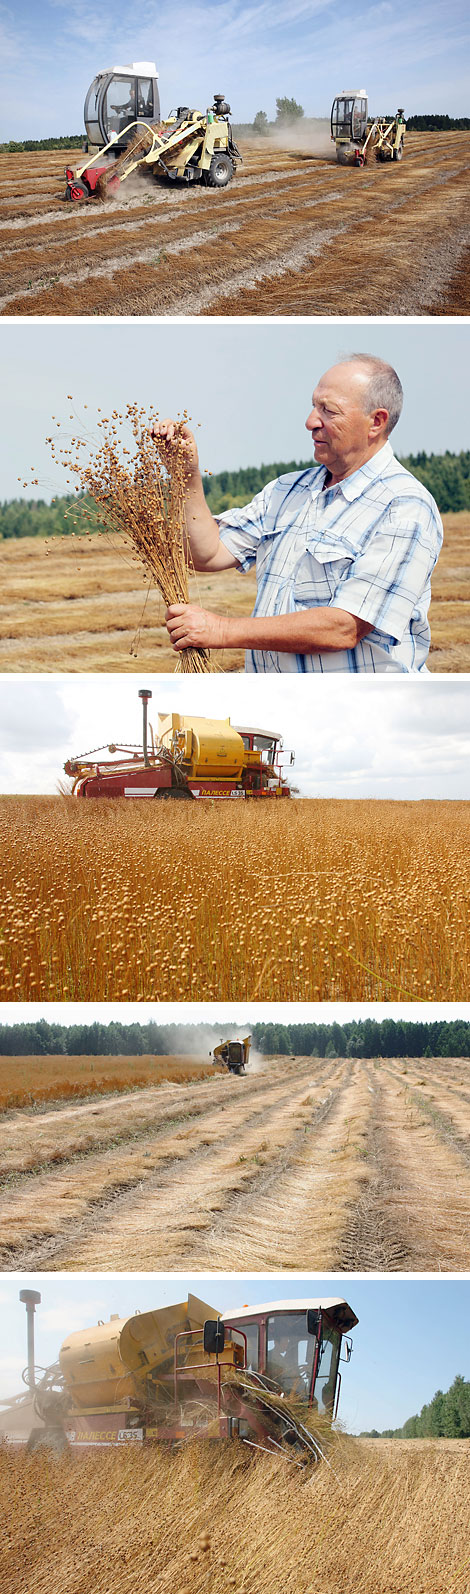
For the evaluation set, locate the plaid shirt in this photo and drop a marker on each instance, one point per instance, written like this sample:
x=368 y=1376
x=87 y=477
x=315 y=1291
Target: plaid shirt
x=367 y=545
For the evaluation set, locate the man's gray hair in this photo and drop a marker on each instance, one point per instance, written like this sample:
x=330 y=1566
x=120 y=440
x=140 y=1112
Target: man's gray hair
x=384 y=391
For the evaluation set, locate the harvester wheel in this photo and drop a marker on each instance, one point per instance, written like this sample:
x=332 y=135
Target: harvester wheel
x=398 y=153
x=77 y=190
x=220 y=171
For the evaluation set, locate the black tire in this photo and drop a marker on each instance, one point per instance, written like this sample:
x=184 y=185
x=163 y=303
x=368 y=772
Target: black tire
x=398 y=153
x=77 y=191
x=174 y=793
x=220 y=170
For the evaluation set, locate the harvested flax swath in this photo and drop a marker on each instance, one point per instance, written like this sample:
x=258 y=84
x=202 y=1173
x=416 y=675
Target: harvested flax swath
x=140 y=492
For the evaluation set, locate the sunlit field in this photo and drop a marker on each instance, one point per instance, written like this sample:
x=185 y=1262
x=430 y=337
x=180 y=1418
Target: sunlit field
x=224 y=1172
x=389 y=1519
x=293 y=234
x=297 y=901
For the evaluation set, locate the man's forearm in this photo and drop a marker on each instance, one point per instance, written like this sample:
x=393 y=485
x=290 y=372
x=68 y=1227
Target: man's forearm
x=318 y=630
x=307 y=631
x=202 y=532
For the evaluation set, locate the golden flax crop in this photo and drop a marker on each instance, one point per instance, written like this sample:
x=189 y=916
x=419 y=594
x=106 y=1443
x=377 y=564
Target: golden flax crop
x=139 y=492
x=214 y=1519
x=296 y=901
x=25 y=1081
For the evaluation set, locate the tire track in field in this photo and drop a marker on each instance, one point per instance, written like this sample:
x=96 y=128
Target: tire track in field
x=427 y=1184
x=372 y=1240
x=63 y=1199
x=234 y=1217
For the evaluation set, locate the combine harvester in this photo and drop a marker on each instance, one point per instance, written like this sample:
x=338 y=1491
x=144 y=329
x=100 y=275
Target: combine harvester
x=264 y=1375
x=356 y=135
x=190 y=758
x=233 y=1055
x=122 y=110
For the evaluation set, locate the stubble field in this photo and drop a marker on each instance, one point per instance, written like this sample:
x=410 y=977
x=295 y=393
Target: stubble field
x=392 y=1519
x=79 y=607
x=292 y=900
x=294 y=234
x=224 y=1173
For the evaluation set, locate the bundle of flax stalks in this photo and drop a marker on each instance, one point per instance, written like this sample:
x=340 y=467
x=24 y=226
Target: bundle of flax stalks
x=141 y=493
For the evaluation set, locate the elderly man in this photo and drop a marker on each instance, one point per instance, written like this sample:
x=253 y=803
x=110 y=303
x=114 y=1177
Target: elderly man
x=344 y=551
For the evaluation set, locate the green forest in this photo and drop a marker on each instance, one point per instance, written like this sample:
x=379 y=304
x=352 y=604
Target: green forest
x=357 y=1038
x=446 y=1417
x=446 y=476
x=67 y=141
x=438 y=124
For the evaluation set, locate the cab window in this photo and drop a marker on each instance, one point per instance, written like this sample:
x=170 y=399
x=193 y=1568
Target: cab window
x=120 y=104
x=325 y=1382
x=145 y=97
x=252 y=1346
x=289 y=1352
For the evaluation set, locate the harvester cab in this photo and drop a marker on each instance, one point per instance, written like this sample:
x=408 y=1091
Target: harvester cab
x=357 y=135
x=349 y=116
x=117 y=98
x=294 y=1348
x=233 y=1055
x=266 y=1375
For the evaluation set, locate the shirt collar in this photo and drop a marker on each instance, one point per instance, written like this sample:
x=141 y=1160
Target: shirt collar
x=354 y=485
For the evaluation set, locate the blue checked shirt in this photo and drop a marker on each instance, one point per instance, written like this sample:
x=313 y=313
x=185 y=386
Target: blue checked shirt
x=367 y=545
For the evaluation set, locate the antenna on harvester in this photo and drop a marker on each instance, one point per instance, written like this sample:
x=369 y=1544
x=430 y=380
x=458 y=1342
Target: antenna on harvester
x=145 y=694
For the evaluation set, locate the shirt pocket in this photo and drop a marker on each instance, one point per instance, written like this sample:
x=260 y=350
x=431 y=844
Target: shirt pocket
x=319 y=574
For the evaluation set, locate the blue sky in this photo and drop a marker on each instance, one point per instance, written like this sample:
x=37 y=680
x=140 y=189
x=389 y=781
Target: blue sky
x=412 y=1337
x=410 y=739
x=416 y=56
x=249 y=387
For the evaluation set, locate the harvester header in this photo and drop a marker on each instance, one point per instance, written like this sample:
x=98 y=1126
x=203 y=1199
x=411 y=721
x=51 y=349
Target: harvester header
x=189 y=757
x=265 y=1375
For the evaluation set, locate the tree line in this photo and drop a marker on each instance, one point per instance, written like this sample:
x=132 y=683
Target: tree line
x=446 y=476
x=446 y=1417
x=436 y=124
x=71 y=141
x=356 y=1038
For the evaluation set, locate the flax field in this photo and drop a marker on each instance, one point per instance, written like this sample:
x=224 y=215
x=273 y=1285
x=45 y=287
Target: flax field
x=219 y=1172
x=391 y=1518
x=293 y=234
x=318 y=900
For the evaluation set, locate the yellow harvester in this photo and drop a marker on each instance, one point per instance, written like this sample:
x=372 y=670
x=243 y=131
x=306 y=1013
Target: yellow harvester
x=267 y=1375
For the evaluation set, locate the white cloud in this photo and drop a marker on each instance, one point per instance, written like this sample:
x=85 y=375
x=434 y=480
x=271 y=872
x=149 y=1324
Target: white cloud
x=68 y=1317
